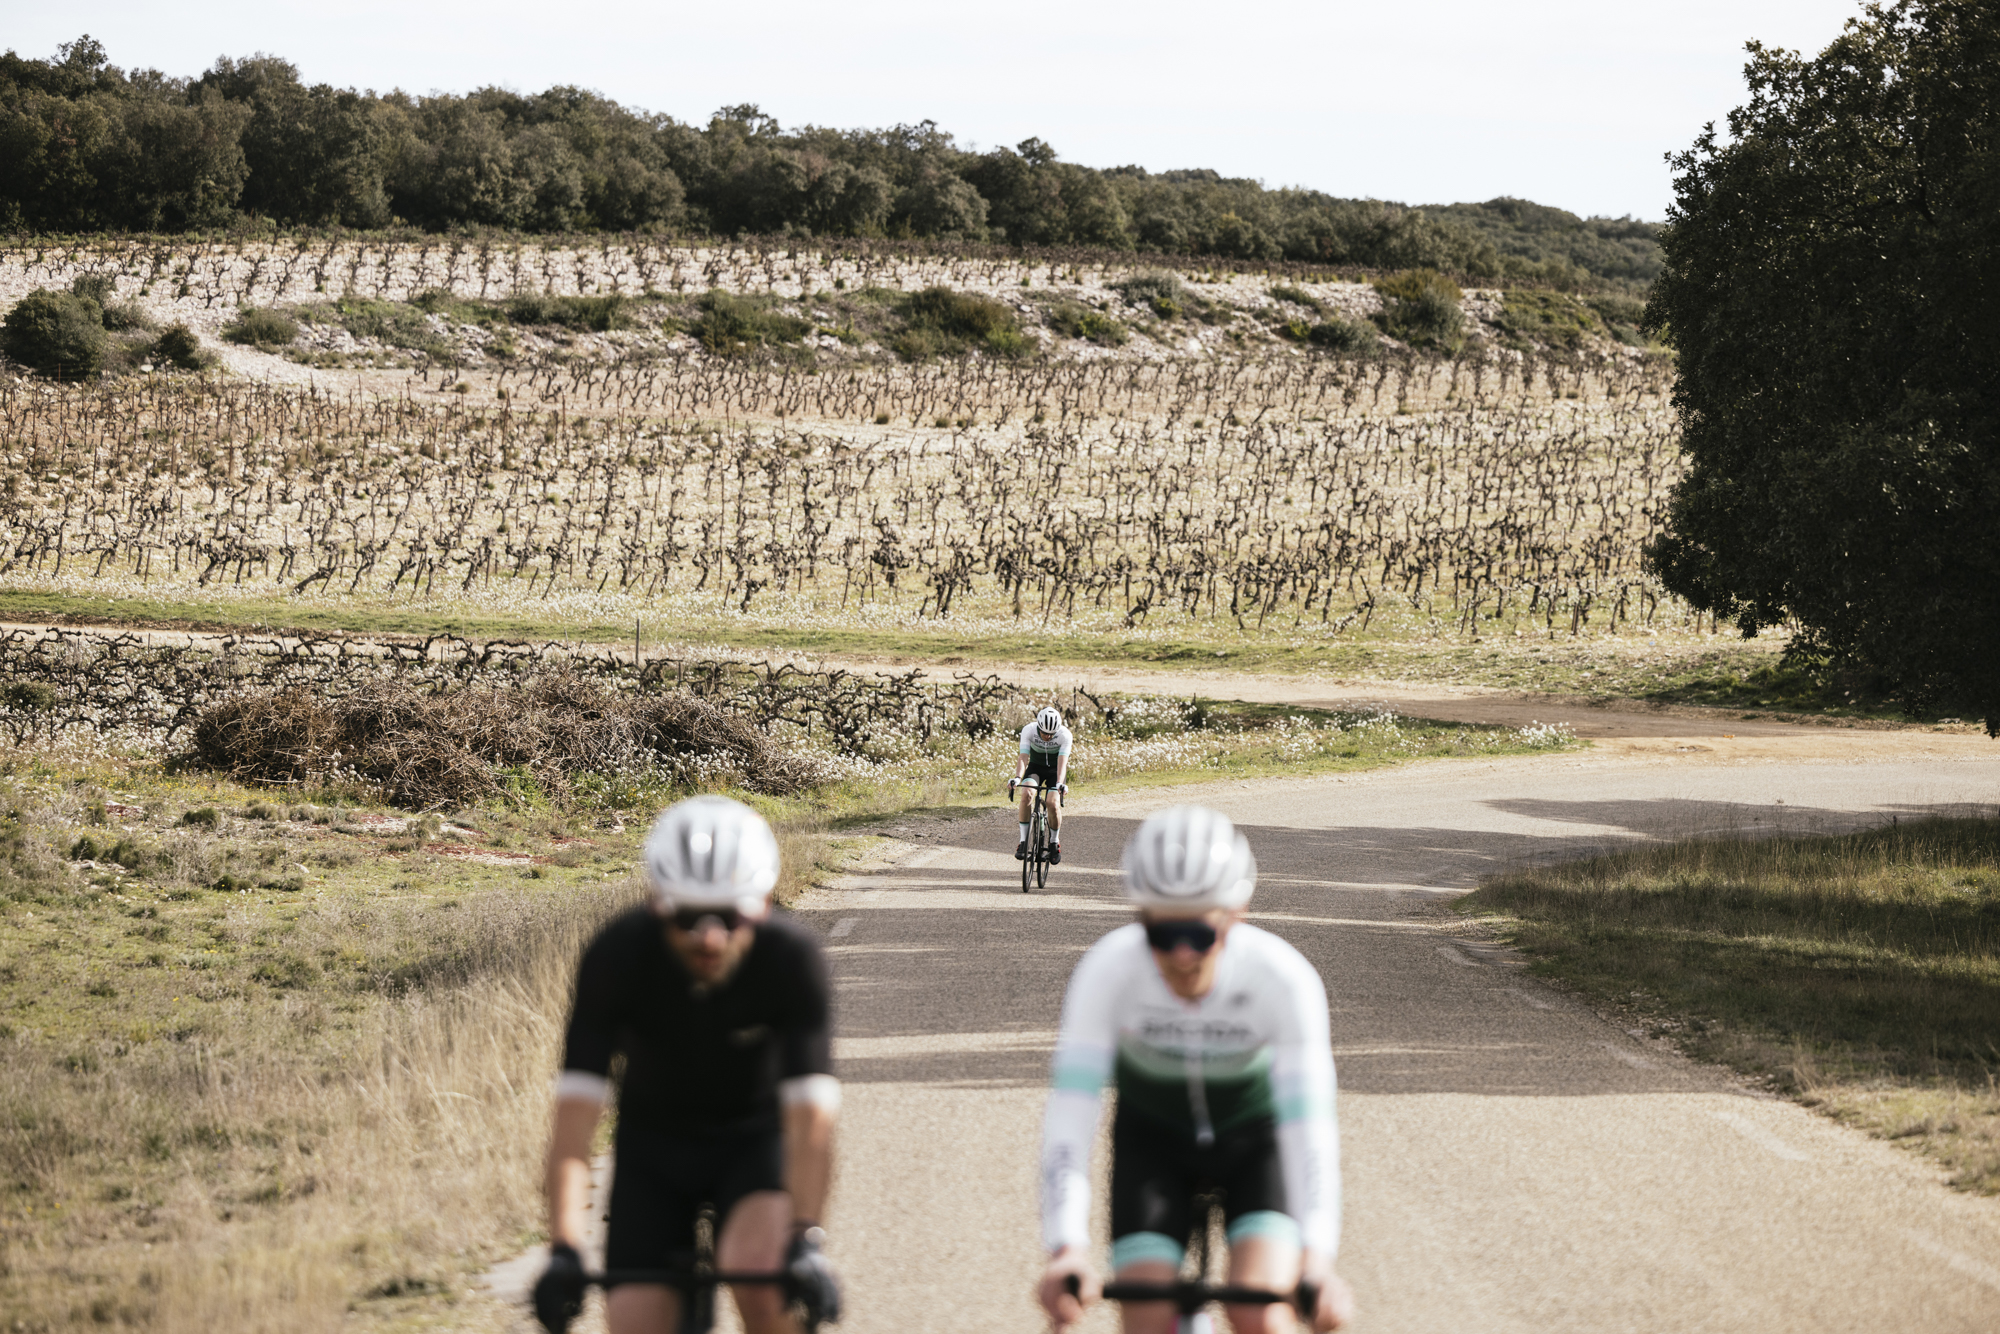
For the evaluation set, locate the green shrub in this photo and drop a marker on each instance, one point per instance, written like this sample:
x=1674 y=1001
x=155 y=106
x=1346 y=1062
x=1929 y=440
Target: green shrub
x=1421 y=308
x=941 y=322
x=121 y=316
x=262 y=327
x=1622 y=316
x=586 y=314
x=1298 y=296
x=959 y=314
x=29 y=696
x=1157 y=290
x=390 y=322
x=733 y=325
x=1340 y=335
x=179 y=347
x=58 y=333
x=96 y=288
x=1549 y=319
x=1077 y=321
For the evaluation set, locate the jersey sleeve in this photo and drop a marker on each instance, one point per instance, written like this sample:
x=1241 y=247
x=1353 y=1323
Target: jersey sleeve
x=1303 y=1087
x=591 y=1039
x=1086 y=1048
x=1068 y=738
x=1026 y=732
x=805 y=1042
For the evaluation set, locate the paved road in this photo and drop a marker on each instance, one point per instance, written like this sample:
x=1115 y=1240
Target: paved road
x=1513 y=1162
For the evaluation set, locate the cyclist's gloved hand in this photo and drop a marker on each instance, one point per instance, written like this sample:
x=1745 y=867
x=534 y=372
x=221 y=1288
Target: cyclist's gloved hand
x=559 y=1291
x=814 y=1283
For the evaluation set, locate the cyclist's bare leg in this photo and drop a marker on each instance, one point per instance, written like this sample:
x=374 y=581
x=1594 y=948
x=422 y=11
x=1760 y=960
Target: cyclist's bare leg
x=1055 y=811
x=642 y=1308
x=1027 y=791
x=1270 y=1264
x=753 y=1241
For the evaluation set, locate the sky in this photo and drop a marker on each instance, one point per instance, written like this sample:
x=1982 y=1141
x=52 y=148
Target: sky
x=1573 y=103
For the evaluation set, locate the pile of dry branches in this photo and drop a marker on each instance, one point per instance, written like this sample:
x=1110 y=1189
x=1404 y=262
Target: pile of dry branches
x=444 y=748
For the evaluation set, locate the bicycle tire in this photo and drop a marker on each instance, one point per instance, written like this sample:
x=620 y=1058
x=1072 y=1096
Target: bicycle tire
x=1028 y=855
x=1042 y=862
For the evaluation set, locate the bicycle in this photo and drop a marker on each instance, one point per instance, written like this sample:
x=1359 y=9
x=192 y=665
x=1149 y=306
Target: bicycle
x=697 y=1278
x=1193 y=1296
x=1035 y=866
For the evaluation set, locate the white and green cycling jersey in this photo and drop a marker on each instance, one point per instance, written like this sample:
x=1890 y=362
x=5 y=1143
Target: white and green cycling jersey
x=1255 y=1049
x=1045 y=749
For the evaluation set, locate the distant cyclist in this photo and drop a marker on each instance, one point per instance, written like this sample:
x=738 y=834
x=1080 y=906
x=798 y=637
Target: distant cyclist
x=720 y=1010
x=1215 y=1035
x=1045 y=745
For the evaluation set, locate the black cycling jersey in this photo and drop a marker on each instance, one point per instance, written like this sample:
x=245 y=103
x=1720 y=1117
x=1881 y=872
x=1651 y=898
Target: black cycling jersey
x=699 y=1060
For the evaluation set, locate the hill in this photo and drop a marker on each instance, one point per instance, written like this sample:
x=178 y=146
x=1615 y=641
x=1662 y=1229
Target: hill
x=86 y=146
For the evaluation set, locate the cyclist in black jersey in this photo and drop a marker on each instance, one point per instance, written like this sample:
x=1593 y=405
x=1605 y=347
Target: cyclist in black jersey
x=720 y=1008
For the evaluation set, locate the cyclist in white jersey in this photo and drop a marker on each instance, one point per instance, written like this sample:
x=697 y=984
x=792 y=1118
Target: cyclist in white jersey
x=1215 y=1034
x=1045 y=744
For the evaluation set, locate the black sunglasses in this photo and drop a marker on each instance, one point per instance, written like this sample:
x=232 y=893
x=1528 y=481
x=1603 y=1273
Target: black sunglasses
x=689 y=919
x=1176 y=931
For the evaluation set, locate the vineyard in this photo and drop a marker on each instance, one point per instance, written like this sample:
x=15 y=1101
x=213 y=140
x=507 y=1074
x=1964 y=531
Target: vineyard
x=1307 y=492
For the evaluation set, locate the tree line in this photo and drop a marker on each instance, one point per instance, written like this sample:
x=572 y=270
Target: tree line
x=87 y=146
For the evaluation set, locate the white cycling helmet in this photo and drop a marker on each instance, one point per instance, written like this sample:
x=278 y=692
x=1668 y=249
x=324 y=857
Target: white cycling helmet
x=711 y=852
x=1048 y=720
x=1188 y=859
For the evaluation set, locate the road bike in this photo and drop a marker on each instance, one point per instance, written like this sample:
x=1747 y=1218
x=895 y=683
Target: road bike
x=1193 y=1296
x=1035 y=866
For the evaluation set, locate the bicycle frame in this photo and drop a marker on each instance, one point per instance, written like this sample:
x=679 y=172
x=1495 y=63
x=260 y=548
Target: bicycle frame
x=1035 y=866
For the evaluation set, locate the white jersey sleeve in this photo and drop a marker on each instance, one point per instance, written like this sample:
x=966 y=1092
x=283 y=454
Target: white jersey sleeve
x=1086 y=1049
x=1303 y=1091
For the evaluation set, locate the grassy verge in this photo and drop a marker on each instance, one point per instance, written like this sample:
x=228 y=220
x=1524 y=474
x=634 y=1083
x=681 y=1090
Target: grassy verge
x=1858 y=973
x=281 y=1059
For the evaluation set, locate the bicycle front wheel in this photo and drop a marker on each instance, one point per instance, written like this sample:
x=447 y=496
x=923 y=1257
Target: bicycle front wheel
x=1028 y=861
x=1042 y=861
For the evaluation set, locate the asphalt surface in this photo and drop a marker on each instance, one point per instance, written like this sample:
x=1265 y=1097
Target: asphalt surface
x=1513 y=1162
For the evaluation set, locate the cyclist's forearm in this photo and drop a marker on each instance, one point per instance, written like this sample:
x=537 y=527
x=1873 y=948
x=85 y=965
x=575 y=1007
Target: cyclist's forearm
x=1069 y=1129
x=808 y=1159
x=567 y=1178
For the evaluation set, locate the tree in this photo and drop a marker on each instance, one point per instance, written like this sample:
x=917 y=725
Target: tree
x=1832 y=286
x=57 y=332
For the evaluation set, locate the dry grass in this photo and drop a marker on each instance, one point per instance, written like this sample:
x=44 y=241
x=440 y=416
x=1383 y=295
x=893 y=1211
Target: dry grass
x=280 y=1170
x=1860 y=973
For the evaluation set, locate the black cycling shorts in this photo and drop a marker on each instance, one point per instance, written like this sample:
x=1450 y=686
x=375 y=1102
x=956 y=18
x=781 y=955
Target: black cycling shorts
x=1157 y=1170
x=660 y=1182
x=1042 y=767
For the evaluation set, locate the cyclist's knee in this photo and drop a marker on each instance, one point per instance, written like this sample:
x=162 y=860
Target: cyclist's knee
x=764 y=1309
x=1273 y=1319
x=642 y=1308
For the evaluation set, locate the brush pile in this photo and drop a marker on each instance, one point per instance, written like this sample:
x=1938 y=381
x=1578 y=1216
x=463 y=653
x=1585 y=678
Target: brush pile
x=428 y=749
